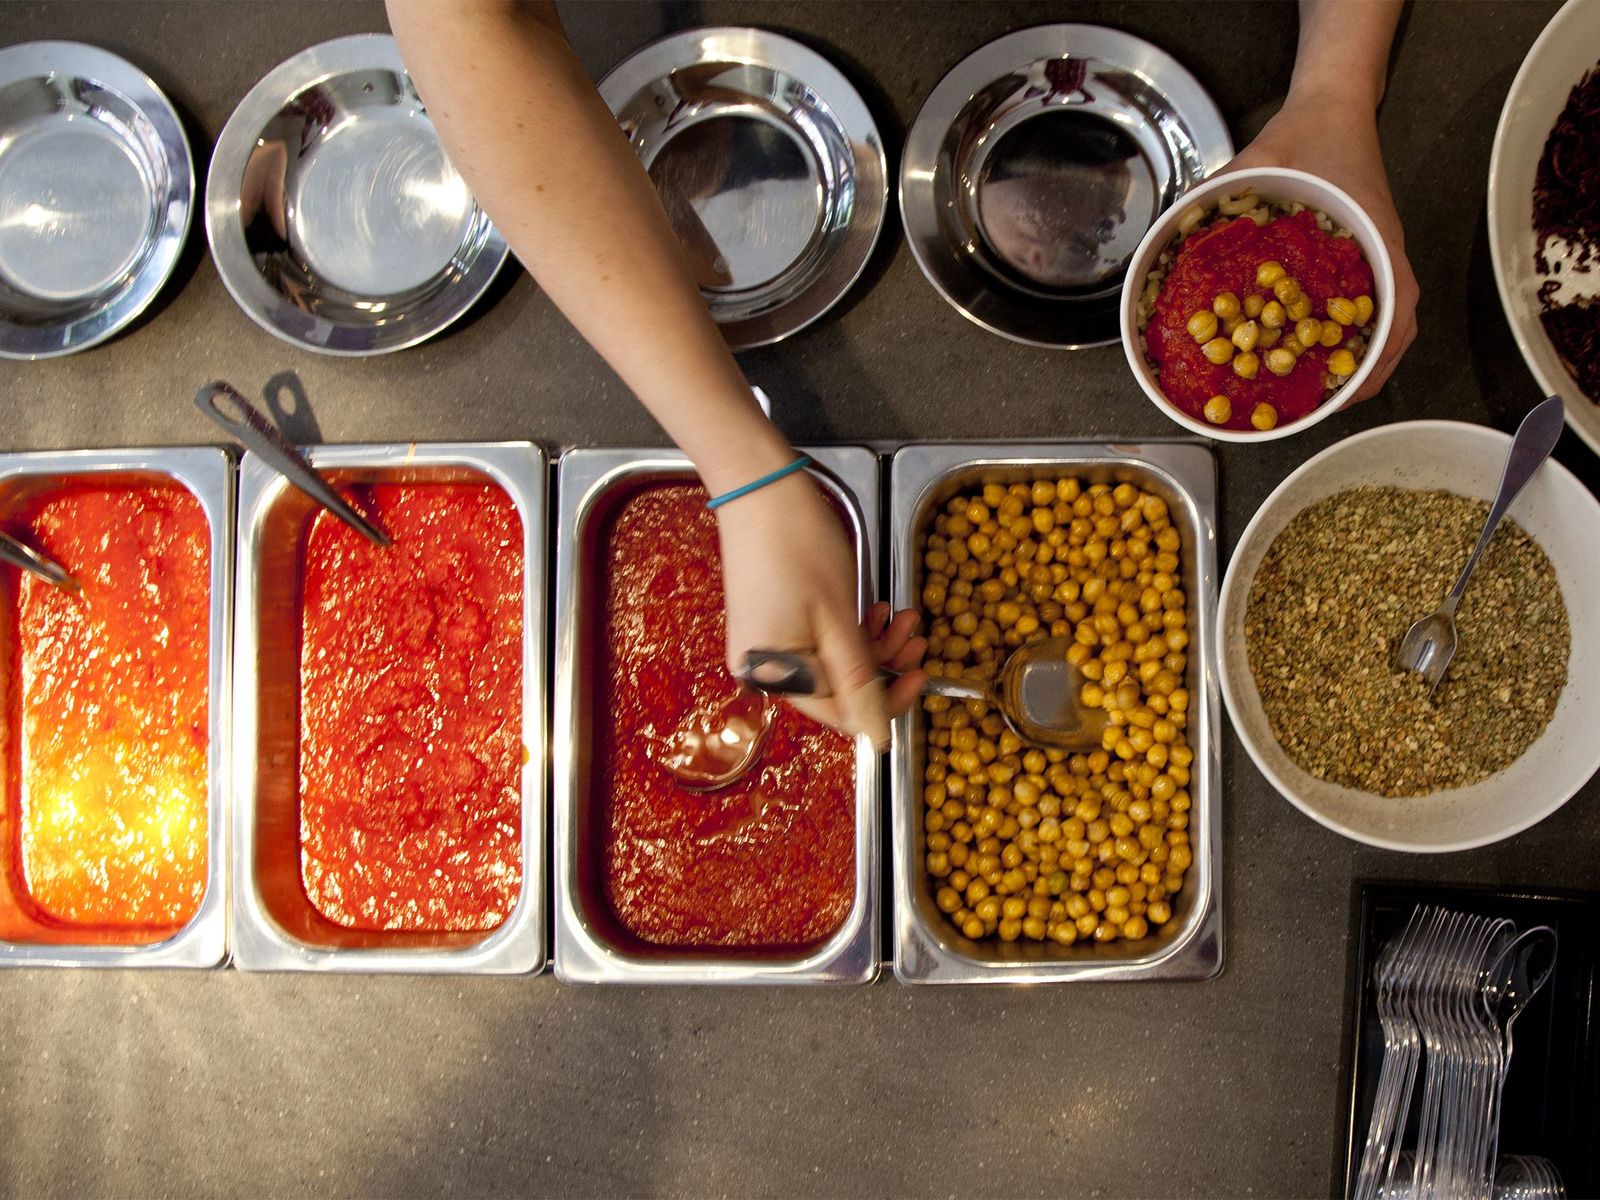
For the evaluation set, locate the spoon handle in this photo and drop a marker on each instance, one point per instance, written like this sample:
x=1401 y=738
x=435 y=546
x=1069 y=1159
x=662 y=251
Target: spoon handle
x=1536 y=438
x=800 y=673
x=20 y=554
x=224 y=405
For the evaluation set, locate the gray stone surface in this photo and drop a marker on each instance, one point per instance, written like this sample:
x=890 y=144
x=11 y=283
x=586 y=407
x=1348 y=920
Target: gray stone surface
x=223 y=1083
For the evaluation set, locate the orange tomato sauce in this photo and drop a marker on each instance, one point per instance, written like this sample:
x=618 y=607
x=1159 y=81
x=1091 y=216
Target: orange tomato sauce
x=112 y=708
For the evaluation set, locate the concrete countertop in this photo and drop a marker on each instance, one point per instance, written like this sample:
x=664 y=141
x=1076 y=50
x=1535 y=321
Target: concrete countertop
x=224 y=1083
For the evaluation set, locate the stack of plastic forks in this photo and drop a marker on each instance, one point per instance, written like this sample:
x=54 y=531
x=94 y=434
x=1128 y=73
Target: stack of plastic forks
x=1448 y=990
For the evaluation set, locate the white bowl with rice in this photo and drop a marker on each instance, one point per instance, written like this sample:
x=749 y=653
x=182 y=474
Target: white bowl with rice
x=1271 y=191
x=1560 y=516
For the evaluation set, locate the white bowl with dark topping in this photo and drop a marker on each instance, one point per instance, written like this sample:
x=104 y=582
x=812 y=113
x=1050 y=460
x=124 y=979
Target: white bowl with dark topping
x=1559 y=514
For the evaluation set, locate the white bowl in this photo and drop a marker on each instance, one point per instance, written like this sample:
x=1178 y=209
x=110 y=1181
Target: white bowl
x=1563 y=53
x=1560 y=514
x=1283 y=185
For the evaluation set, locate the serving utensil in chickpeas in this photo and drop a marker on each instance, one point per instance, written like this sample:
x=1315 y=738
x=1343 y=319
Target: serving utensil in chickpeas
x=1430 y=644
x=1038 y=691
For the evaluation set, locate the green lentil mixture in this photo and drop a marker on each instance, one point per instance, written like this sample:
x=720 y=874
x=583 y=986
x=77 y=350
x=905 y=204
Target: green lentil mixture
x=1337 y=590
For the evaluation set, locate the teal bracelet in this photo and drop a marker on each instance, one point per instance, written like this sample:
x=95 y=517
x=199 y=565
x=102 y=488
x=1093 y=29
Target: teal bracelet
x=799 y=464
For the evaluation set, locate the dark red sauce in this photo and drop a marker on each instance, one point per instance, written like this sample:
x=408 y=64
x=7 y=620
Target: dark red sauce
x=768 y=862
x=411 y=711
x=1224 y=258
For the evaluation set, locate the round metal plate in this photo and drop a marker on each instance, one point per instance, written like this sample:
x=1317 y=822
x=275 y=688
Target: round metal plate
x=770 y=168
x=1036 y=166
x=96 y=191
x=334 y=217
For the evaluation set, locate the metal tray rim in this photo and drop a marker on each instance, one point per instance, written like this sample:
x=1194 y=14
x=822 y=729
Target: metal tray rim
x=208 y=473
x=920 y=956
x=518 y=946
x=851 y=955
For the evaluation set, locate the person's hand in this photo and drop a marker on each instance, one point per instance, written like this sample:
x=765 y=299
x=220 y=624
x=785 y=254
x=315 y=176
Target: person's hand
x=790 y=577
x=1319 y=134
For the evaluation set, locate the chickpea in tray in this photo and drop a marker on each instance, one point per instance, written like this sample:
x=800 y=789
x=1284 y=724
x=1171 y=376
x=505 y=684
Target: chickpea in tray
x=1257 y=313
x=1037 y=844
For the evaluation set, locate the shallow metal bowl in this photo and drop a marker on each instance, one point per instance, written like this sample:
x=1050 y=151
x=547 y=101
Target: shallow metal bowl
x=927 y=947
x=208 y=474
x=769 y=165
x=1036 y=166
x=275 y=927
x=334 y=217
x=590 y=945
x=96 y=191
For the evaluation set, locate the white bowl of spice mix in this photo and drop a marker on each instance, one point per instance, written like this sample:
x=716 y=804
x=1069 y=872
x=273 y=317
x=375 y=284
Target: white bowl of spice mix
x=1361 y=541
x=1257 y=305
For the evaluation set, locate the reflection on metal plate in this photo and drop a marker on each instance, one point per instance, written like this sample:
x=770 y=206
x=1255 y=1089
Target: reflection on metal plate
x=96 y=189
x=769 y=166
x=1036 y=166
x=335 y=218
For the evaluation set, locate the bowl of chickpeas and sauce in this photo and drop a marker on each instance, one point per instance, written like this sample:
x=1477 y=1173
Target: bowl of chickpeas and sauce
x=1256 y=306
x=1014 y=863
x=1418 y=789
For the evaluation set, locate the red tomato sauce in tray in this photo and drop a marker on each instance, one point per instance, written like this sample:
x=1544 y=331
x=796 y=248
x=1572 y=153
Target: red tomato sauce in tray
x=113 y=708
x=1224 y=258
x=768 y=862
x=411 y=711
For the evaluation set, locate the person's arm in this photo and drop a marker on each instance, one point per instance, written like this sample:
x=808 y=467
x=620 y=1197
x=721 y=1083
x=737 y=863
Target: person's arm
x=548 y=164
x=1328 y=125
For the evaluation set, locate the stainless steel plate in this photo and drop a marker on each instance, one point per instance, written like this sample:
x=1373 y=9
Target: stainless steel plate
x=1036 y=166
x=590 y=947
x=96 y=190
x=770 y=168
x=927 y=948
x=334 y=216
x=207 y=473
x=274 y=926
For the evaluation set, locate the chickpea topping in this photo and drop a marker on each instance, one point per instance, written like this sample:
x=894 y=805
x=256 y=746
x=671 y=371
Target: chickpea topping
x=1269 y=338
x=1226 y=306
x=1203 y=326
x=1246 y=335
x=1219 y=410
x=1218 y=350
x=1280 y=361
x=1299 y=308
x=1024 y=844
x=1253 y=304
x=1264 y=417
x=1363 y=310
x=1268 y=273
x=1247 y=365
x=1287 y=289
x=1273 y=315
x=1342 y=363
x=1309 y=331
x=1342 y=310
x=1332 y=334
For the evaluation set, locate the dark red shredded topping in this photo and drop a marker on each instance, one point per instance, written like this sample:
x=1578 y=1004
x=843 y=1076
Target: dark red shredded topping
x=1566 y=205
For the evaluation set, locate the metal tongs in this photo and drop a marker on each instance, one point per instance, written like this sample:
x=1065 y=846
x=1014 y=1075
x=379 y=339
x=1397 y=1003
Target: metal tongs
x=224 y=405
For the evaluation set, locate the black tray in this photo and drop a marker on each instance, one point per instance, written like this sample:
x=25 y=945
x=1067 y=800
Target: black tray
x=1552 y=1096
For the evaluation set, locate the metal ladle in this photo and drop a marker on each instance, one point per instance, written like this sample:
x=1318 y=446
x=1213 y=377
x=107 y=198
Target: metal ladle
x=1430 y=644
x=1036 y=692
x=20 y=554
x=224 y=405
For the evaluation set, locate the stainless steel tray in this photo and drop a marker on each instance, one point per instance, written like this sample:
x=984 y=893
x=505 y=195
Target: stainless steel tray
x=275 y=928
x=927 y=948
x=206 y=472
x=585 y=951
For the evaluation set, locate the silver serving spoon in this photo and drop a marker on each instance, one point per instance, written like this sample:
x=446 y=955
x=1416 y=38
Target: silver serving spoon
x=224 y=405
x=1037 y=693
x=20 y=554
x=1430 y=644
